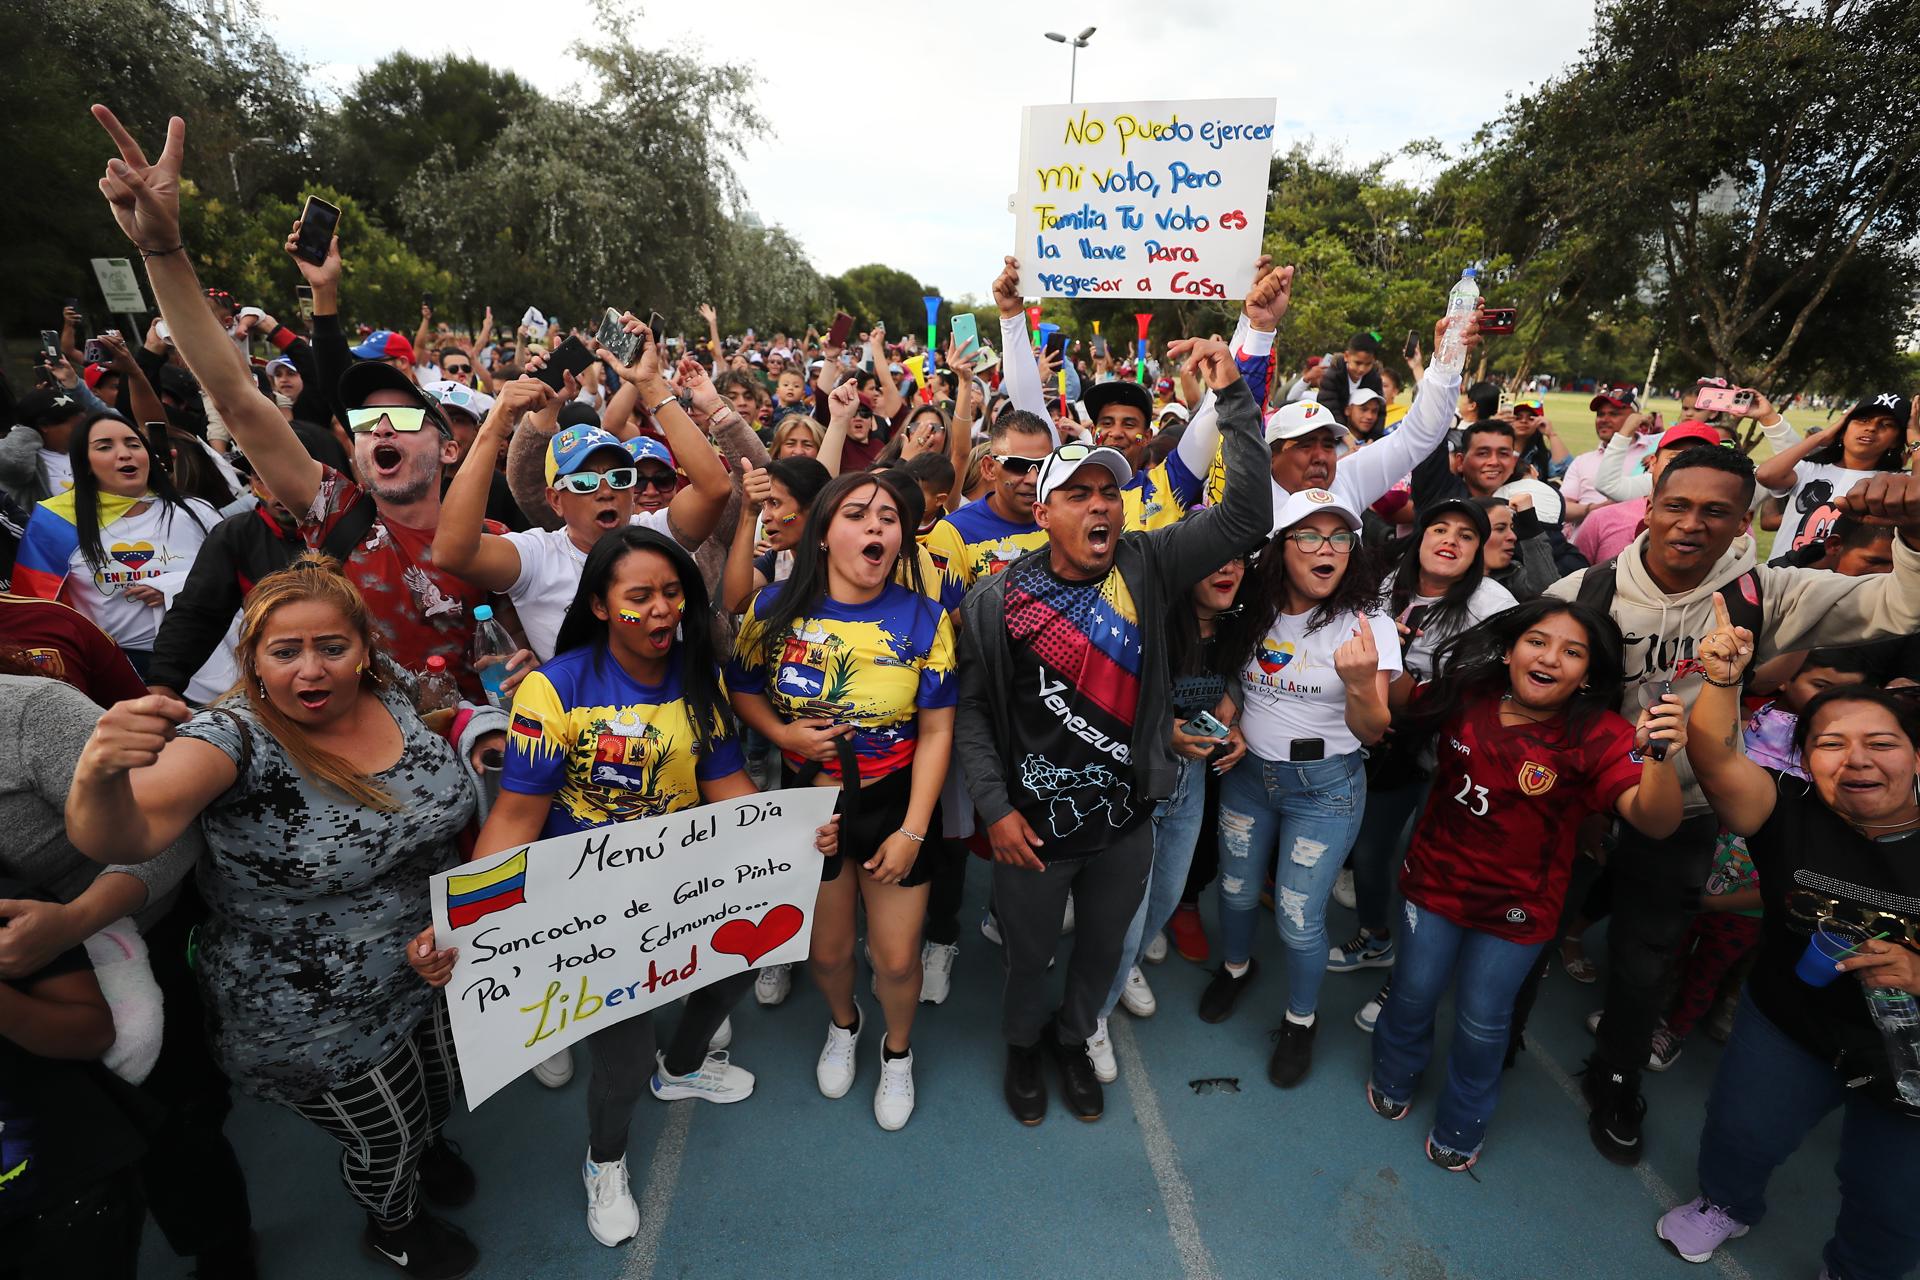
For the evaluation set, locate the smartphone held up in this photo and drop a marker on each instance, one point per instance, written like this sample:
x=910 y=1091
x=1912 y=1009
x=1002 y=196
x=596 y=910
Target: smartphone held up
x=319 y=223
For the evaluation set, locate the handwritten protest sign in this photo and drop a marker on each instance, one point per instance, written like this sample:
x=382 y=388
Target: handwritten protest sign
x=564 y=936
x=1142 y=199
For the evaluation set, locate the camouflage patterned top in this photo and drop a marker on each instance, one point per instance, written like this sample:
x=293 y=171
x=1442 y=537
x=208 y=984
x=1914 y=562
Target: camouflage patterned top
x=311 y=900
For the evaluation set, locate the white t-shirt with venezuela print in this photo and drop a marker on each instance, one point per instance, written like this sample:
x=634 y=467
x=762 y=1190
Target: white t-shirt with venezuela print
x=155 y=549
x=1291 y=689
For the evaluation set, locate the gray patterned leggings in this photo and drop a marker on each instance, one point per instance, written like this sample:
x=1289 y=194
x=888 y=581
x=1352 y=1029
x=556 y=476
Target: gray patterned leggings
x=389 y=1116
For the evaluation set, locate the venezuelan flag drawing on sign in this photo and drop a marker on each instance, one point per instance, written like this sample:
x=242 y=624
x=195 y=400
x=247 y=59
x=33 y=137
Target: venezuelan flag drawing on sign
x=482 y=893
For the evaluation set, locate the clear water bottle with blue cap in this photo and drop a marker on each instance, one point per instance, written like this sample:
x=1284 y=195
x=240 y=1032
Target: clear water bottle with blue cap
x=1462 y=301
x=492 y=647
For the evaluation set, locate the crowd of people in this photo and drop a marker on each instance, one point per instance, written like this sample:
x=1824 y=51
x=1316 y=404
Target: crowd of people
x=1290 y=642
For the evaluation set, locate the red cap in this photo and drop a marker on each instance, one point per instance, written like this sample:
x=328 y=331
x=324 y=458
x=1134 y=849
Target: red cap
x=1313 y=362
x=1682 y=432
x=93 y=374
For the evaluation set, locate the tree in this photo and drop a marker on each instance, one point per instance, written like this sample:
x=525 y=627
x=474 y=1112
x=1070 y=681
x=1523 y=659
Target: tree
x=1751 y=153
x=874 y=292
x=615 y=196
x=406 y=110
x=229 y=80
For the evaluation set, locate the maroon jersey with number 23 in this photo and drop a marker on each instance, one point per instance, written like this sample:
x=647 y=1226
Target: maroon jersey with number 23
x=1495 y=847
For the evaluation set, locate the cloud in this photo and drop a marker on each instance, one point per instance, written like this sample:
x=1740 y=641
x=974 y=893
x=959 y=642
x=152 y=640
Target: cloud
x=896 y=127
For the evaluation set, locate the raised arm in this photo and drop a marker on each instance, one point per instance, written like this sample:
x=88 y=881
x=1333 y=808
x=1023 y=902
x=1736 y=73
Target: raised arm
x=1019 y=371
x=960 y=434
x=1368 y=473
x=840 y=406
x=145 y=198
x=141 y=400
x=1204 y=541
x=696 y=508
x=137 y=787
x=889 y=402
x=1611 y=478
x=1740 y=791
x=1777 y=474
x=740 y=580
x=461 y=544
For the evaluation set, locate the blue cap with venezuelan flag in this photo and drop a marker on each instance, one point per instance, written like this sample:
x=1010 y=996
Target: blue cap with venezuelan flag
x=481 y=893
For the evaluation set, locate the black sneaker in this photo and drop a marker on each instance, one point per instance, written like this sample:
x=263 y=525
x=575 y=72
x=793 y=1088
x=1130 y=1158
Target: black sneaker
x=1618 y=1112
x=1384 y=1107
x=1025 y=1087
x=427 y=1247
x=1079 y=1087
x=1216 y=1002
x=446 y=1180
x=1292 y=1053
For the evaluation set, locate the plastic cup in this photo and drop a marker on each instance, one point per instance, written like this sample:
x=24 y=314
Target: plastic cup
x=1824 y=949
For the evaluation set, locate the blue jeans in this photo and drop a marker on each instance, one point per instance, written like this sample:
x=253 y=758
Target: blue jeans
x=1767 y=1094
x=1485 y=973
x=1309 y=812
x=1176 y=825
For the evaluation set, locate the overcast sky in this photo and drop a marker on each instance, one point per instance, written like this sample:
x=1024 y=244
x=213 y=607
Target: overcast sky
x=924 y=101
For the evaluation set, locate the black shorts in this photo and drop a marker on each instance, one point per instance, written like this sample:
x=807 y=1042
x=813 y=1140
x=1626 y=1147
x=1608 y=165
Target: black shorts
x=871 y=814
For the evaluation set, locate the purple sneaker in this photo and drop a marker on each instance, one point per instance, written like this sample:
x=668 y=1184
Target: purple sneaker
x=1697 y=1228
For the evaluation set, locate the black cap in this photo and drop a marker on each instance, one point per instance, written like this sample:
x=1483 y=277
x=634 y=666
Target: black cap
x=1886 y=402
x=1458 y=506
x=48 y=406
x=361 y=380
x=1131 y=395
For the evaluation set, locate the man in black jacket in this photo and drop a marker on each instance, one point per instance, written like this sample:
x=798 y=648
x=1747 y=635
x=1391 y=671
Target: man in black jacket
x=1064 y=722
x=241 y=550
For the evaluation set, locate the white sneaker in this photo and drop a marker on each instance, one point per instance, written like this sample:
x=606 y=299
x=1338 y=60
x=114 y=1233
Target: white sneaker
x=612 y=1215
x=717 y=1080
x=774 y=984
x=1066 y=920
x=835 y=1070
x=1157 y=949
x=990 y=926
x=1343 y=890
x=1137 y=997
x=893 y=1098
x=723 y=1037
x=936 y=971
x=1100 y=1054
x=555 y=1071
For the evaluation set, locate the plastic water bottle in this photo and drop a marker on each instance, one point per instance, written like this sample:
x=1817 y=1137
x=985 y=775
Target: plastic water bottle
x=1897 y=1014
x=492 y=646
x=1462 y=301
x=437 y=689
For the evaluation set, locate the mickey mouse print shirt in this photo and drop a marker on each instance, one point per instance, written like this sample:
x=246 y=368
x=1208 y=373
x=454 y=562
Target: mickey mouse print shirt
x=873 y=665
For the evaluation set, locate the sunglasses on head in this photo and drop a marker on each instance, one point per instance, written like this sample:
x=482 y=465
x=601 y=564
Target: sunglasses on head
x=400 y=417
x=584 y=482
x=1015 y=465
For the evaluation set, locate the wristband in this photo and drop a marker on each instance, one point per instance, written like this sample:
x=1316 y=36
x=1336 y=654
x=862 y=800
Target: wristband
x=1720 y=684
x=909 y=835
x=653 y=411
x=161 y=253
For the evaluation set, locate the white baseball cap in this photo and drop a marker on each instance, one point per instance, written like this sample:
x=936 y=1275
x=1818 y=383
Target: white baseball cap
x=1059 y=466
x=1302 y=418
x=1363 y=395
x=1307 y=502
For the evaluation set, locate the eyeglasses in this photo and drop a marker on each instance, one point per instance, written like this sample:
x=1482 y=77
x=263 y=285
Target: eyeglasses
x=401 y=417
x=584 y=482
x=1343 y=541
x=1015 y=465
x=457 y=368
x=660 y=481
x=1213 y=1084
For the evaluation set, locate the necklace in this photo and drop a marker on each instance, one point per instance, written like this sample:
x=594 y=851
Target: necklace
x=1520 y=711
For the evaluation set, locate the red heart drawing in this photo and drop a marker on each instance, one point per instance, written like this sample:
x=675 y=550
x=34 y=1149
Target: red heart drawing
x=750 y=941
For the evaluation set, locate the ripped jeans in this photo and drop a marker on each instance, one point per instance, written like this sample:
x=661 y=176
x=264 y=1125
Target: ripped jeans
x=1308 y=813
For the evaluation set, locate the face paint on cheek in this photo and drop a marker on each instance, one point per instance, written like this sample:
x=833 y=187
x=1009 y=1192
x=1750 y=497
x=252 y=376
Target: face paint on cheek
x=629 y=617
x=787 y=519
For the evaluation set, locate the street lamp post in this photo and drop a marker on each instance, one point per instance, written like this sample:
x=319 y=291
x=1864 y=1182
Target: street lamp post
x=1076 y=43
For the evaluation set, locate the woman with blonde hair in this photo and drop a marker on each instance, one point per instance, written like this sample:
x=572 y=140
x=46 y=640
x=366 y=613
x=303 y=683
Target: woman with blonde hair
x=797 y=436
x=326 y=803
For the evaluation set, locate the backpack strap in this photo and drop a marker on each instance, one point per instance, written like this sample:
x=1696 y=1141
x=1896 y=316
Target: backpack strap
x=1744 y=605
x=350 y=530
x=1597 y=587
